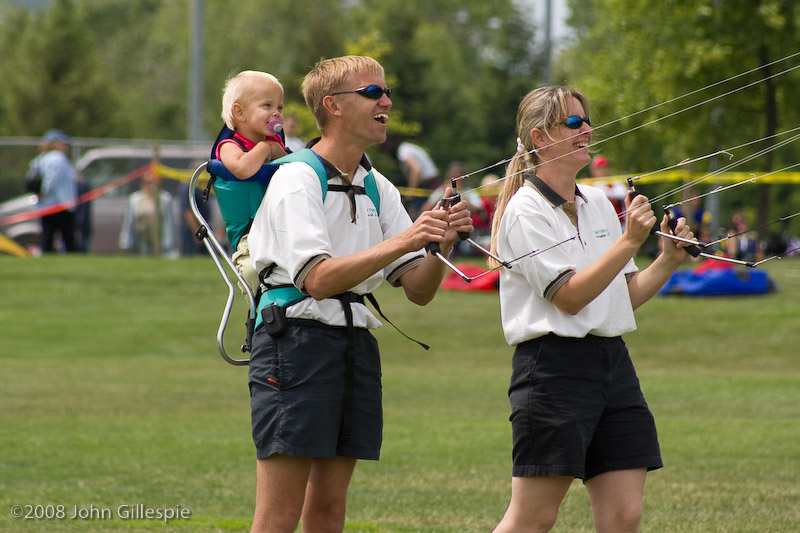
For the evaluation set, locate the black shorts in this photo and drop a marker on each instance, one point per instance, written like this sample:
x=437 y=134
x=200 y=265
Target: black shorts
x=577 y=409
x=297 y=384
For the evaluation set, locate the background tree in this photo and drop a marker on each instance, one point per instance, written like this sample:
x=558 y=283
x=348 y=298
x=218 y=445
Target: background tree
x=631 y=55
x=144 y=45
x=55 y=78
x=461 y=69
x=120 y=69
x=458 y=68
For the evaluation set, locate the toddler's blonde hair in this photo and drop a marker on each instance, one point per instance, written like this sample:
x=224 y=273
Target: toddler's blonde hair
x=239 y=89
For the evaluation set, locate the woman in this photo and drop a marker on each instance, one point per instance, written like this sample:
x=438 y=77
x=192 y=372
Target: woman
x=577 y=410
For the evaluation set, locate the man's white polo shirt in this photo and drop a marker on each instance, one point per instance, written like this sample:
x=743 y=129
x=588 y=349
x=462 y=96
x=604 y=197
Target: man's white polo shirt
x=535 y=219
x=295 y=230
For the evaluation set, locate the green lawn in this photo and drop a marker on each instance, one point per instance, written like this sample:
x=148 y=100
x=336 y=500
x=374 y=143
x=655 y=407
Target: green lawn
x=112 y=393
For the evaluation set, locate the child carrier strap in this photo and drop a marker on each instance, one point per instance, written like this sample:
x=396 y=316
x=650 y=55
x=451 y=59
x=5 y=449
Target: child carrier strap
x=239 y=199
x=308 y=156
x=346 y=299
x=286 y=295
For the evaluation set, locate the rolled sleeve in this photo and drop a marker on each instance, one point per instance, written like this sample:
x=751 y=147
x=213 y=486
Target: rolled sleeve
x=394 y=220
x=545 y=271
x=290 y=227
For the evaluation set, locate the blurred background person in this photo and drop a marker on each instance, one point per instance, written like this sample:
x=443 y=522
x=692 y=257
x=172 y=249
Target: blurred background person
x=83 y=216
x=293 y=142
x=188 y=223
x=691 y=208
x=741 y=243
x=58 y=185
x=148 y=227
x=417 y=167
x=490 y=188
x=455 y=171
x=615 y=192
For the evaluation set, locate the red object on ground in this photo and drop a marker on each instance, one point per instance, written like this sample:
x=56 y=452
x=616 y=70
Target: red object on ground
x=488 y=282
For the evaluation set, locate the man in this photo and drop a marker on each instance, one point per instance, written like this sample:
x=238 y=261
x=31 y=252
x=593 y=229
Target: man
x=315 y=381
x=59 y=185
x=293 y=142
x=417 y=167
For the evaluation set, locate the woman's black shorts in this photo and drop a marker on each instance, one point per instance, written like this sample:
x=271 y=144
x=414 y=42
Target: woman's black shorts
x=577 y=409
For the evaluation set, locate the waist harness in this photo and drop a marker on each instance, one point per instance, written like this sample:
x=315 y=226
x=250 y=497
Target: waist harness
x=239 y=200
x=286 y=295
x=275 y=299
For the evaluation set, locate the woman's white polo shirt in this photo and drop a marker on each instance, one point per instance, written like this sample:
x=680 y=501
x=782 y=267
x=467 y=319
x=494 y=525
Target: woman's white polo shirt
x=535 y=219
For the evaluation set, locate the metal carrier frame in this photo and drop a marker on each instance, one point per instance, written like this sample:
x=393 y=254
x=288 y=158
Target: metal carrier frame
x=219 y=255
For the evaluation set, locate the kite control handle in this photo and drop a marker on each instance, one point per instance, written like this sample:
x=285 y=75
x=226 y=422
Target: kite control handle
x=453 y=200
x=634 y=194
x=692 y=250
x=433 y=247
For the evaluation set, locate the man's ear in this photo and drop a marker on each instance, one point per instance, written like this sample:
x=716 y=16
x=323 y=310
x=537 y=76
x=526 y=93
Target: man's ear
x=332 y=106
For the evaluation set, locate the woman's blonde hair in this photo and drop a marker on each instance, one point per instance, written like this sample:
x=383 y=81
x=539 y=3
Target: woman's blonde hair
x=541 y=108
x=240 y=89
x=329 y=76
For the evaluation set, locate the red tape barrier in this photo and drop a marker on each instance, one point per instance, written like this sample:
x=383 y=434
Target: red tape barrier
x=91 y=195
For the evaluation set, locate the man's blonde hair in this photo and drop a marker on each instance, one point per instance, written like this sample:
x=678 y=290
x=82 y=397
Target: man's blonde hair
x=329 y=76
x=240 y=88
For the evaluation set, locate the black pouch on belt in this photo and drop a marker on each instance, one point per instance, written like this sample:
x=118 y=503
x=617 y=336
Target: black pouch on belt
x=274 y=317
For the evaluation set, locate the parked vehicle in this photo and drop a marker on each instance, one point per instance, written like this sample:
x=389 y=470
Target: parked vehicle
x=101 y=167
x=26 y=233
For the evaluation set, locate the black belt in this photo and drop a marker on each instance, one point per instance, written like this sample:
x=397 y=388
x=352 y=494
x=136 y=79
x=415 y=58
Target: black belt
x=349 y=362
x=346 y=299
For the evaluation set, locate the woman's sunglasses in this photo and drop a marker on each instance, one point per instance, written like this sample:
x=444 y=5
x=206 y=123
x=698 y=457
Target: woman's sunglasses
x=373 y=92
x=573 y=122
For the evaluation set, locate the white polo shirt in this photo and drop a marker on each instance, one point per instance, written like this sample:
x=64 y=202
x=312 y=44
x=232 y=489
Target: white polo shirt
x=427 y=168
x=534 y=219
x=295 y=230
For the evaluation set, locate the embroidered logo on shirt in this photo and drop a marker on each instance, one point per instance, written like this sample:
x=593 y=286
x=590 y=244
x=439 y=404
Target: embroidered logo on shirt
x=601 y=233
x=372 y=212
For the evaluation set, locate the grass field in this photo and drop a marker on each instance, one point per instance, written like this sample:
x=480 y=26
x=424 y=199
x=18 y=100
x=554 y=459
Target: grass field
x=112 y=394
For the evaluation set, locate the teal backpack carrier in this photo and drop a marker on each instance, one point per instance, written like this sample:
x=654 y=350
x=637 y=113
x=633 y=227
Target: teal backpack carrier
x=239 y=200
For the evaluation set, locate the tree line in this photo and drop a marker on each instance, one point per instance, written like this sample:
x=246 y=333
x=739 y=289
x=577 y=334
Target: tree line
x=104 y=68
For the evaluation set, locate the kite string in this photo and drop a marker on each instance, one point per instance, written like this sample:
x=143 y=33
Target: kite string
x=750 y=230
x=728 y=93
x=724 y=168
x=625 y=212
x=725 y=94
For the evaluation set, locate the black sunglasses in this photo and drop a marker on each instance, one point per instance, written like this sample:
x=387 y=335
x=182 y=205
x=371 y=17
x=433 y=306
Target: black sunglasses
x=573 y=122
x=373 y=92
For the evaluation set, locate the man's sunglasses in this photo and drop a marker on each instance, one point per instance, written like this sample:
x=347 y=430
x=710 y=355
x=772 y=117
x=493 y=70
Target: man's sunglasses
x=373 y=92
x=573 y=122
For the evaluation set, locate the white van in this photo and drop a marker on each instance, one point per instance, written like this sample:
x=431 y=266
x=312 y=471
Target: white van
x=100 y=167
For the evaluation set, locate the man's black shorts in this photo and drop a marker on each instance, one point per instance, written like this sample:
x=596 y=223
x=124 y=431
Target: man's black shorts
x=297 y=384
